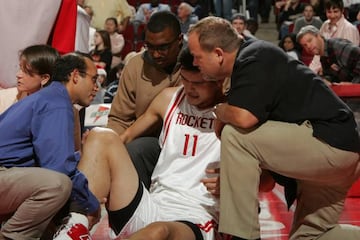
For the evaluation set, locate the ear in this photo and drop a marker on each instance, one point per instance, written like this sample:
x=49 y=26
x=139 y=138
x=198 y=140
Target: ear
x=74 y=76
x=219 y=53
x=44 y=79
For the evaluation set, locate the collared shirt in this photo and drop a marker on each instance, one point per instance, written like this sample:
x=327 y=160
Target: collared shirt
x=346 y=56
x=38 y=131
x=342 y=29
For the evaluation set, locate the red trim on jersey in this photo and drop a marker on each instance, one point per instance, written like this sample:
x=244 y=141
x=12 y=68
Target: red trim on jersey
x=208 y=226
x=168 y=117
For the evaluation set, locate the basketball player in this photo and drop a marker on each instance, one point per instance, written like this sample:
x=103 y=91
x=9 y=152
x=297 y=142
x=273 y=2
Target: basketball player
x=183 y=196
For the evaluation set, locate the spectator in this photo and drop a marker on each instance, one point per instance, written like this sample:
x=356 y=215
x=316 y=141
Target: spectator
x=102 y=55
x=186 y=16
x=145 y=10
x=335 y=27
x=120 y=9
x=82 y=28
x=238 y=21
x=339 y=57
x=290 y=46
x=289 y=13
x=112 y=88
x=35 y=142
x=116 y=39
x=252 y=26
x=323 y=157
x=319 y=9
x=307 y=19
x=101 y=80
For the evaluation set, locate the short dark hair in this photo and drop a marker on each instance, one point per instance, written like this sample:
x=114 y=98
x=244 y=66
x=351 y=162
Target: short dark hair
x=39 y=59
x=186 y=60
x=68 y=63
x=238 y=16
x=334 y=4
x=112 y=19
x=159 y=21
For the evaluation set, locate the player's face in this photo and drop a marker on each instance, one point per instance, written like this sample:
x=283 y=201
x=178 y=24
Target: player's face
x=199 y=92
x=207 y=62
x=312 y=44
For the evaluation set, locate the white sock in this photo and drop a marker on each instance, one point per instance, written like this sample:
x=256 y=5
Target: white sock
x=79 y=218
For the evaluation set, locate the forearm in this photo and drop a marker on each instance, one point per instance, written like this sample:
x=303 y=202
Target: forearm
x=122 y=113
x=235 y=116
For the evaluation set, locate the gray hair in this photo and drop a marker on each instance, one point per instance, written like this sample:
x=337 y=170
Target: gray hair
x=307 y=29
x=188 y=7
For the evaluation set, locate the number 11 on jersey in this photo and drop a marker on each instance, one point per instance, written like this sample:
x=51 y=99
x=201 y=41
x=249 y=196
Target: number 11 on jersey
x=190 y=144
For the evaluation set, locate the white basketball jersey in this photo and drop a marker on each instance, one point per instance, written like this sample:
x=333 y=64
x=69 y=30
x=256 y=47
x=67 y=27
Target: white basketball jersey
x=189 y=146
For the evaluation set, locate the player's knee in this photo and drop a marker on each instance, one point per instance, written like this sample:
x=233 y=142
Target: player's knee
x=102 y=135
x=157 y=230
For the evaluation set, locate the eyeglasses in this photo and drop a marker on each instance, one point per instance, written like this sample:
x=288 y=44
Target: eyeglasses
x=94 y=78
x=163 y=48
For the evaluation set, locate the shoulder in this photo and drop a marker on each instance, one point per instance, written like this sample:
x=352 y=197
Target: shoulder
x=258 y=47
x=167 y=94
x=299 y=20
x=162 y=101
x=135 y=61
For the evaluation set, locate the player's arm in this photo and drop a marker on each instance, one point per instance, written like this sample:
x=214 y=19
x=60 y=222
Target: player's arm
x=151 y=117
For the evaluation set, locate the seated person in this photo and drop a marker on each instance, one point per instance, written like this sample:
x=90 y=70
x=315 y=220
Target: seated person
x=112 y=88
x=36 y=68
x=308 y=18
x=239 y=22
x=117 y=40
x=145 y=10
x=292 y=10
x=339 y=57
x=186 y=16
x=44 y=135
x=290 y=46
x=102 y=55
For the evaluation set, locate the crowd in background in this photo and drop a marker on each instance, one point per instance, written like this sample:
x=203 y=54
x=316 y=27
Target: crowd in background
x=117 y=28
x=121 y=39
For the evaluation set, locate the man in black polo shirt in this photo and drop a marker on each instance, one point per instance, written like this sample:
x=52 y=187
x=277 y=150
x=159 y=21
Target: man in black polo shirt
x=280 y=117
